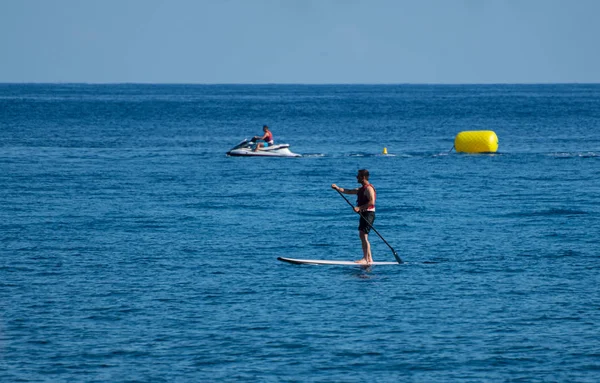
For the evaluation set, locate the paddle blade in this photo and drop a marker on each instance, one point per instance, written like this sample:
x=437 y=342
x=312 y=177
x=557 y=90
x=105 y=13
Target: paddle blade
x=397 y=257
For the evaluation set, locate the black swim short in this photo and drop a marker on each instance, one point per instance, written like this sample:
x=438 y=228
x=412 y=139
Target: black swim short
x=369 y=216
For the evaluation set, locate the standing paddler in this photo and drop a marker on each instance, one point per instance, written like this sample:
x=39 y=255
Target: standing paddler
x=365 y=206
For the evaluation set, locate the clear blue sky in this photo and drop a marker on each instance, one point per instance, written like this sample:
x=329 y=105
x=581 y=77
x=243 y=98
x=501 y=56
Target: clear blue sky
x=300 y=41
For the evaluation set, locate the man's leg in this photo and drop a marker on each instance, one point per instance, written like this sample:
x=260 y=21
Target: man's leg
x=366 y=247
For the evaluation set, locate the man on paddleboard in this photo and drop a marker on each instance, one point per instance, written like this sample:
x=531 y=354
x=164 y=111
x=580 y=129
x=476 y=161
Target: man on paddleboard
x=365 y=206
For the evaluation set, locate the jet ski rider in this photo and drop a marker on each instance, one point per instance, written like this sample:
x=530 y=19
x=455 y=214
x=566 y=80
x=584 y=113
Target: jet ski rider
x=265 y=140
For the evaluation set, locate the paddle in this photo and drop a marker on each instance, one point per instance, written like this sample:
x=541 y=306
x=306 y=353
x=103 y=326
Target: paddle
x=371 y=226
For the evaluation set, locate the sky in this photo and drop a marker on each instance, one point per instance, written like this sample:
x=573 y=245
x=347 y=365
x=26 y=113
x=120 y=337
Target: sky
x=300 y=41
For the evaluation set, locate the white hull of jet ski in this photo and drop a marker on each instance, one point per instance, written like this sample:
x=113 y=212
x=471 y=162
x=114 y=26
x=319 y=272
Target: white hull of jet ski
x=245 y=149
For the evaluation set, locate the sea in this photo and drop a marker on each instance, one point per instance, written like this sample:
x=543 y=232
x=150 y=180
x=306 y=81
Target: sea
x=133 y=249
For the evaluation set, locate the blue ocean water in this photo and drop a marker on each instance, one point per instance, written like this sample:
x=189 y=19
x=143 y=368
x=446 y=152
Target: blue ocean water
x=133 y=249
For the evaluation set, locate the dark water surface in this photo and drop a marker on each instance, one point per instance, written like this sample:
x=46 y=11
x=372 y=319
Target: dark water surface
x=133 y=249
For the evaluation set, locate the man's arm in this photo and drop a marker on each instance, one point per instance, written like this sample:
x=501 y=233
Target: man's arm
x=345 y=191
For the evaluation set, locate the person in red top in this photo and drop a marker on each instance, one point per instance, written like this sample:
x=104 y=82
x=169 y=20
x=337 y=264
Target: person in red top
x=365 y=206
x=265 y=140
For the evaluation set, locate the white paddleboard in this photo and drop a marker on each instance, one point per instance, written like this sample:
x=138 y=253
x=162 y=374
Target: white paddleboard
x=324 y=262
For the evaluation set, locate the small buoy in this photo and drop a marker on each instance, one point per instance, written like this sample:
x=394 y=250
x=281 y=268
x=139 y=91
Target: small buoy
x=384 y=150
x=476 y=141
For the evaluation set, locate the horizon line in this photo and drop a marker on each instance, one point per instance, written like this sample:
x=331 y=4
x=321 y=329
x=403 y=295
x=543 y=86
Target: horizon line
x=293 y=83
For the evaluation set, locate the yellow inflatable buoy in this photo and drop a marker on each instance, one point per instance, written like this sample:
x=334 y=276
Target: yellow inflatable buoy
x=384 y=150
x=476 y=141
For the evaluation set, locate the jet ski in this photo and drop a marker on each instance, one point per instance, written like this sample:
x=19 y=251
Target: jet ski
x=246 y=149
